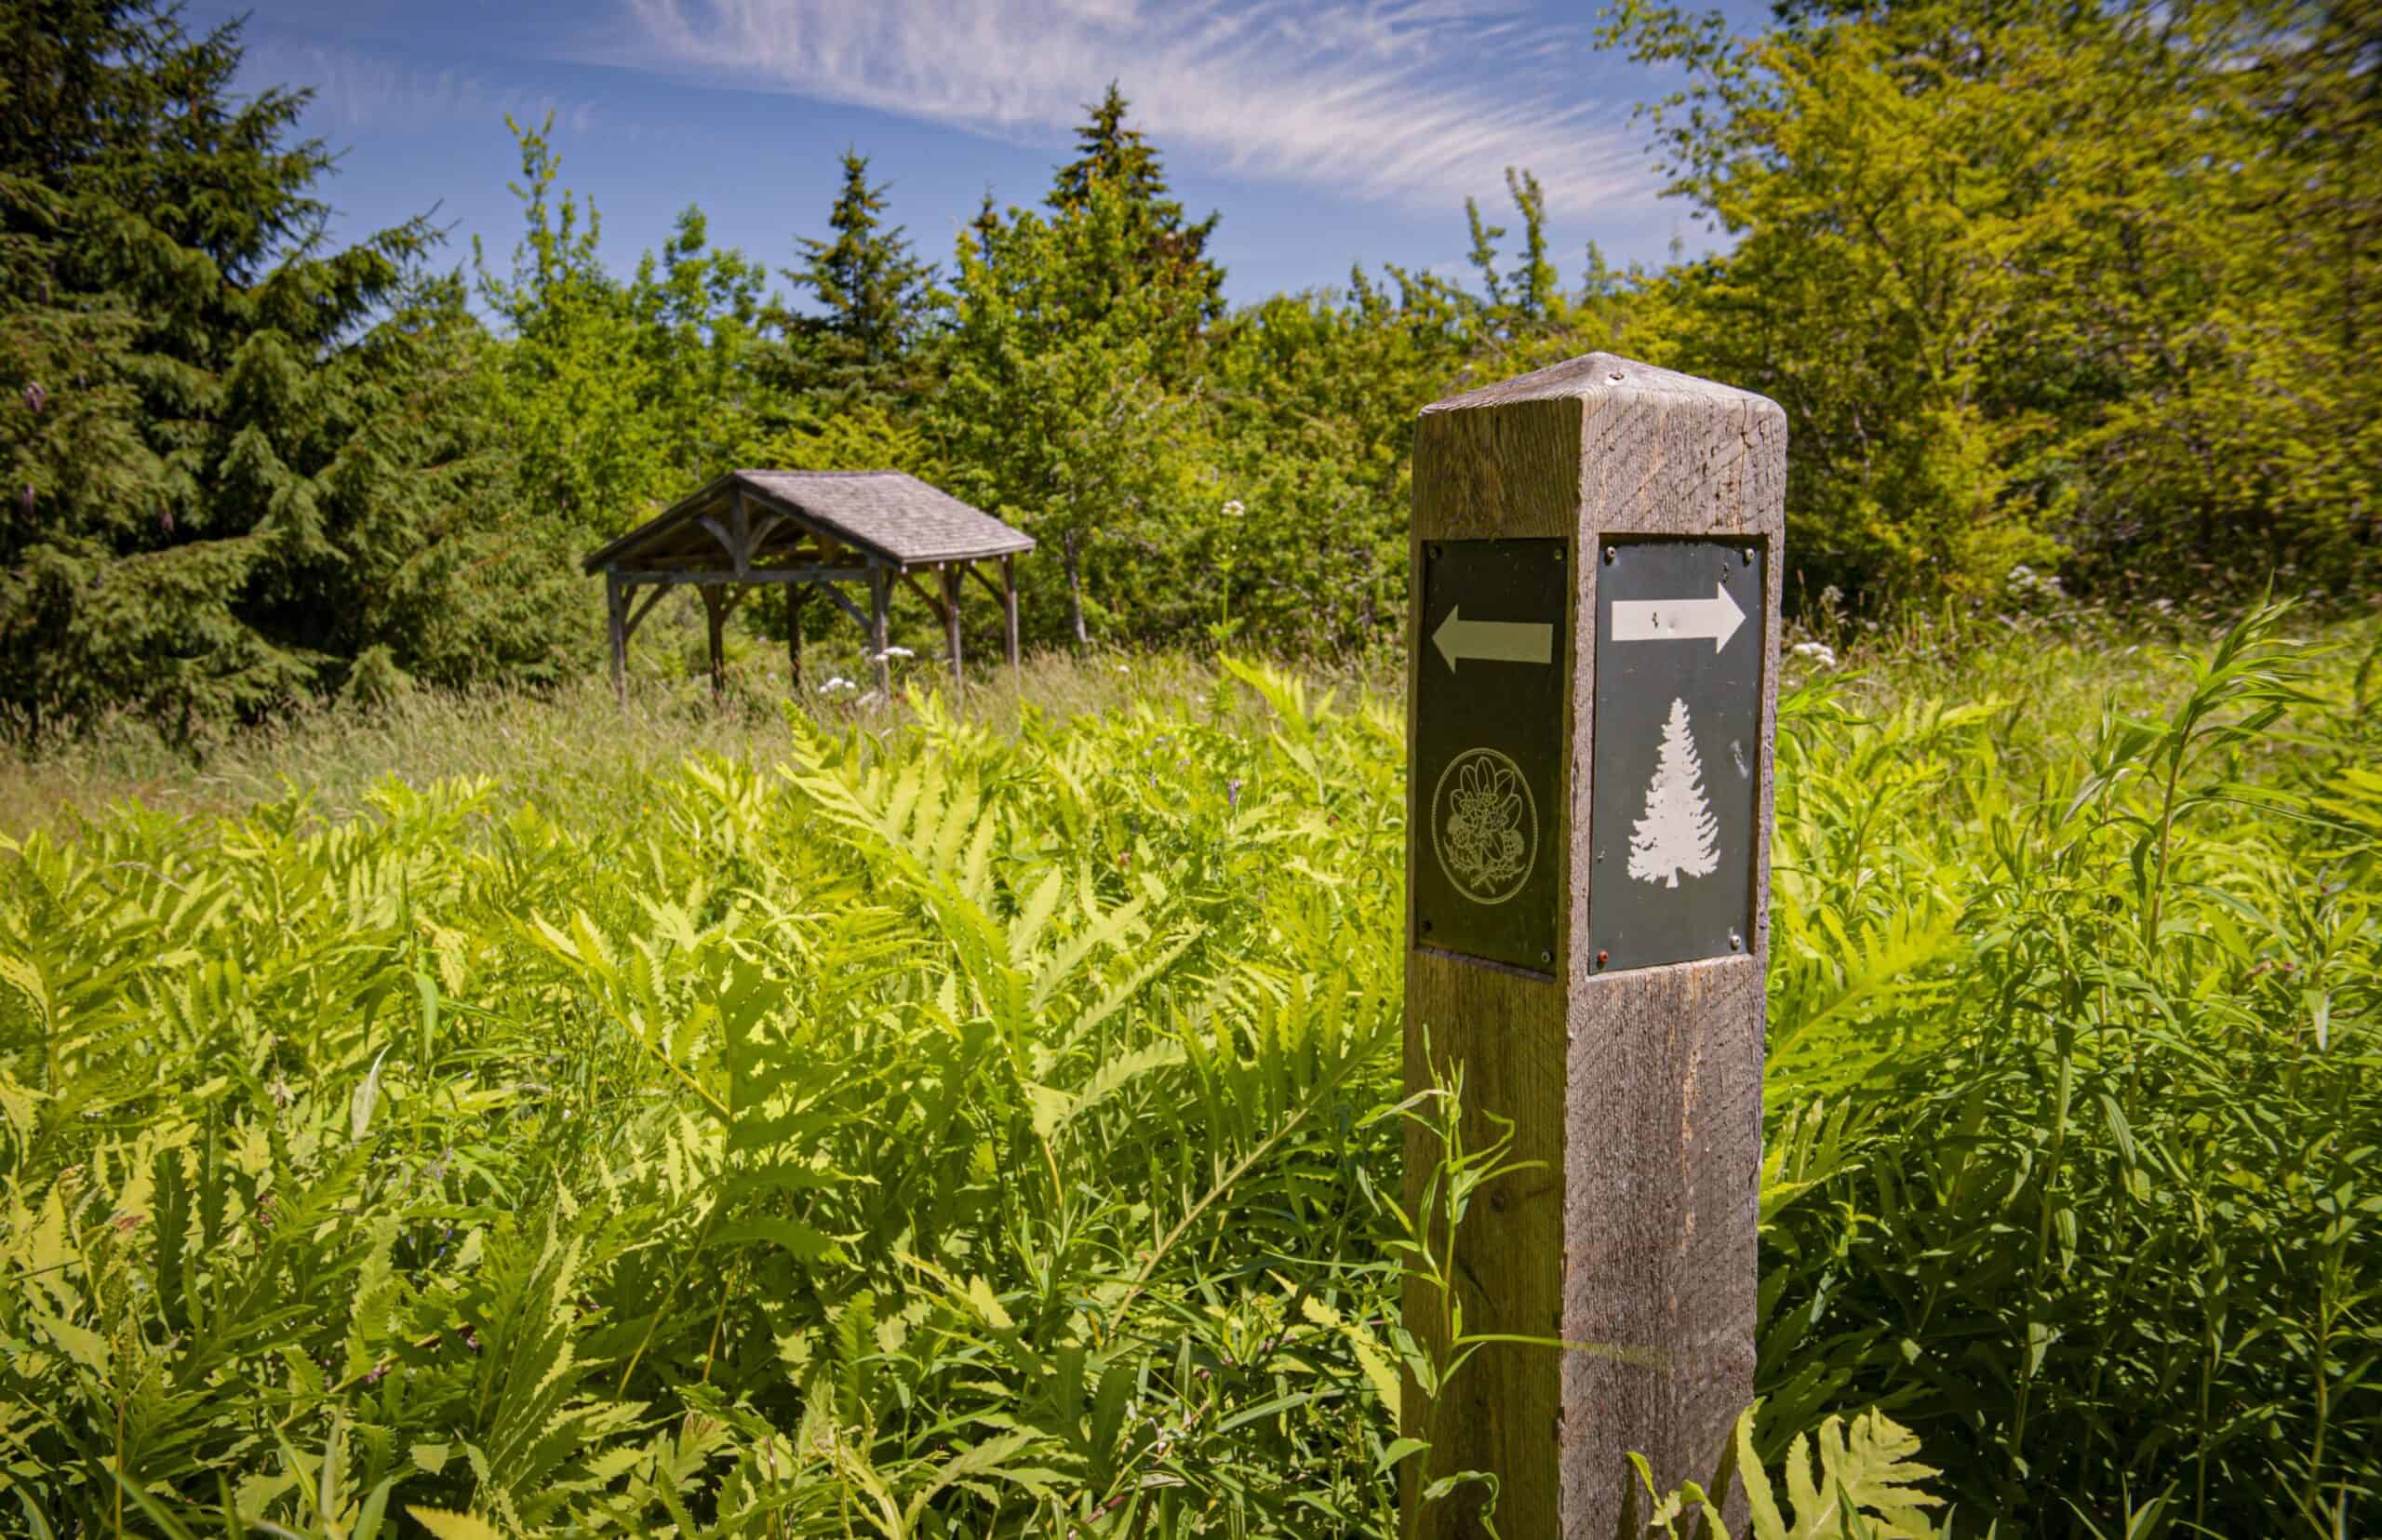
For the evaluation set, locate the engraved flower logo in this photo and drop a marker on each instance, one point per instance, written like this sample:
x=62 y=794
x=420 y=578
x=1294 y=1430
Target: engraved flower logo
x=1485 y=849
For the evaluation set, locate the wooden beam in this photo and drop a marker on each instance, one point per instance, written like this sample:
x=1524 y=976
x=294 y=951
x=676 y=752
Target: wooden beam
x=880 y=600
x=977 y=572
x=726 y=541
x=757 y=574
x=951 y=629
x=846 y=606
x=637 y=613
x=932 y=602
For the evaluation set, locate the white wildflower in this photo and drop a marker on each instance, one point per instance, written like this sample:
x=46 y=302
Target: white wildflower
x=1233 y=509
x=837 y=686
x=1819 y=652
x=890 y=652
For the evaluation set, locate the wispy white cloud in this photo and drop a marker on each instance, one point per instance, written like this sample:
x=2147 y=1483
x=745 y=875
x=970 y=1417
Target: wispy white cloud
x=1412 y=102
x=355 y=90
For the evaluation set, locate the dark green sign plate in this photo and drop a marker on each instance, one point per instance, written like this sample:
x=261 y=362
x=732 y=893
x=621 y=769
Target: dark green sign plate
x=1488 y=748
x=1678 y=751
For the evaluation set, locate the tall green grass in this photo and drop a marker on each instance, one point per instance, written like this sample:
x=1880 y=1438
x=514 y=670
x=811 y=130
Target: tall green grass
x=916 y=1122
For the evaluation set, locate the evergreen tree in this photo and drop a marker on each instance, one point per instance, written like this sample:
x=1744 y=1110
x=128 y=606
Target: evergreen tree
x=215 y=414
x=877 y=294
x=1161 y=242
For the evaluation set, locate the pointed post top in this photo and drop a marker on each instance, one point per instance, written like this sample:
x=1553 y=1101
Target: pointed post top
x=1599 y=375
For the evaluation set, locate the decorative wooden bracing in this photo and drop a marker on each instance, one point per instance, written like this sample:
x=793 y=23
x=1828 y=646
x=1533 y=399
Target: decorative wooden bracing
x=810 y=530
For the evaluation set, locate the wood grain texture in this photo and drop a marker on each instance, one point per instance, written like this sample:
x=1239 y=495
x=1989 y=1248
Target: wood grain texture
x=1663 y=1097
x=1511 y=474
x=1640 y=1089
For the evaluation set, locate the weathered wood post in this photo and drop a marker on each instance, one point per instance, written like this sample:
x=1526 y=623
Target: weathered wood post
x=880 y=601
x=1009 y=620
x=616 y=613
x=1595 y=560
x=951 y=630
x=795 y=595
x=715 y=609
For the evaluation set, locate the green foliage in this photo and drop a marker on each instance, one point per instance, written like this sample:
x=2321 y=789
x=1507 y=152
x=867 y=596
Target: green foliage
x=939 y=1134
x=1865 y=1488
x=618 y=397
x=1058 y=409
x=878 y=299
x=1160 y=245
x=2040 y=288
x=236 y=460
x=900 y=1125
x=2037 y=277
x=2103 y=1222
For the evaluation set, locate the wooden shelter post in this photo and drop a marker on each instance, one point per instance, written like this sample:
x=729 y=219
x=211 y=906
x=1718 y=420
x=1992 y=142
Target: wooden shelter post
x=951 y=628
x=794 y=594
x=880 y=600
x=616 y=607
x=1008 y=618
x=715 y=622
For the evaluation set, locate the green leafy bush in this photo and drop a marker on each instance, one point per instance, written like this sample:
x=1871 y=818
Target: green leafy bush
x=903 y=1126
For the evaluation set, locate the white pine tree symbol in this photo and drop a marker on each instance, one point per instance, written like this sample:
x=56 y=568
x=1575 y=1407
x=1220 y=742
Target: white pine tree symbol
x=1674 y=835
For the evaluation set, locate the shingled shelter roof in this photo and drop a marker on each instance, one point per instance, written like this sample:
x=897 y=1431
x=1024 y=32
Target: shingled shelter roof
x=895 y=518
x=807 y=533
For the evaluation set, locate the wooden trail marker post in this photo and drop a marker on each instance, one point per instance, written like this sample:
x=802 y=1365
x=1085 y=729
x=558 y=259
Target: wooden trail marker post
x=1595 y=562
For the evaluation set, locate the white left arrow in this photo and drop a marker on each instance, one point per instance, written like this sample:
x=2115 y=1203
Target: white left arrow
x=1678 y=619
x=1494 y=641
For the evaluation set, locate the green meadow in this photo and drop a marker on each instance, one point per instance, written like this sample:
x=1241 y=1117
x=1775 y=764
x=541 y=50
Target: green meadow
x=531 y=1117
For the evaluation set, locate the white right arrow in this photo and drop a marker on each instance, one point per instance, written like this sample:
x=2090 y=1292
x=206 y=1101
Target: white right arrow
x=1678 y=619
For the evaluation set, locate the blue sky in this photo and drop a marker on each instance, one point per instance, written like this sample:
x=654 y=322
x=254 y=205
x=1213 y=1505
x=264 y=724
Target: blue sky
x=1324 y=130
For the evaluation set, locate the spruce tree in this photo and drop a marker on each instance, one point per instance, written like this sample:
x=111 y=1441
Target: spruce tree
x=213 y=420
x=878 y=295
x=1164 y=245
